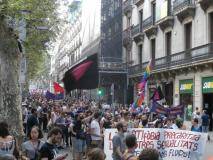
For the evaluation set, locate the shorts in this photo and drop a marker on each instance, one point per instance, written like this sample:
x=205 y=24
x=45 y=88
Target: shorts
x=79 y=145
x=96 y=144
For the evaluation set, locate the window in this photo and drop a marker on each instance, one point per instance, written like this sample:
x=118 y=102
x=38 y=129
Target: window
x=153 y=49
x=188 y=36
x=116 y=26
x=141 y=17
x=168 y=43
x=153 y=12
x=128 y=22
x=169 y=7
x=140 y=50
x=211 y=26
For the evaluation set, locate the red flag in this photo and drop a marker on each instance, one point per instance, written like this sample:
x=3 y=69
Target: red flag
x=57 y=88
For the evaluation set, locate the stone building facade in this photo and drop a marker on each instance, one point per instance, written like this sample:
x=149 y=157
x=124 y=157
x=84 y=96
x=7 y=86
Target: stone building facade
x=178 y=36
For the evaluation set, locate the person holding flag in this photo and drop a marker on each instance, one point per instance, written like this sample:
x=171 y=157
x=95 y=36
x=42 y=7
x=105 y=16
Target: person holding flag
x=142 y=86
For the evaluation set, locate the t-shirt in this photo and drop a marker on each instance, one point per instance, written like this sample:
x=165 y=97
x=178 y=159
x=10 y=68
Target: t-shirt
x=205 y=120
x=30 y=151
x=32 y=121
x=118 y=141
x=96 y=130
x=48 y=151
x=196 y=129
x=78 y=129
x=107 y=124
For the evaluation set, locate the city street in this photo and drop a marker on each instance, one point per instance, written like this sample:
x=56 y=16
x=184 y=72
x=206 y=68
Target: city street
x=90 y=71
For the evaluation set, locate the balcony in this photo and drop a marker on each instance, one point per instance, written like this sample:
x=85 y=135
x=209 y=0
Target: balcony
x=111 y=64
x=196 y=56
x=137 y=33
x=127 y=41
x=205 y=4
x=167 y=21
x=138 y=2
x=149 y=27
x=183 y=9
x=127 y=7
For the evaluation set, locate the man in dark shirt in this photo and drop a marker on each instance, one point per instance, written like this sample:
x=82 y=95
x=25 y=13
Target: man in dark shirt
x=49 y=150
x=32 y=120
x=205 y=121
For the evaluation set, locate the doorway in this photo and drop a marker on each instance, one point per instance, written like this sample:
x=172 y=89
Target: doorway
x=168 y=87
x=208 y=106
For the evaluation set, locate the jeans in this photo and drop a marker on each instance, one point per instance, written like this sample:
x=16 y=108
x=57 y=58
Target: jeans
x=205 y=129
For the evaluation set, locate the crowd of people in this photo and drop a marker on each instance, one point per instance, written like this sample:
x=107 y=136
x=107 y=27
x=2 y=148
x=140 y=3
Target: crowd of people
x=79 y=125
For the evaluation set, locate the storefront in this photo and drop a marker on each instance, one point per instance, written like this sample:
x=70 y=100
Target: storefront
x=207 y=90
x=186 y=96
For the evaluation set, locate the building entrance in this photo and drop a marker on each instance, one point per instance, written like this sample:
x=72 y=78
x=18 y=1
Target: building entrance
x=187 y=101
x=208 y=105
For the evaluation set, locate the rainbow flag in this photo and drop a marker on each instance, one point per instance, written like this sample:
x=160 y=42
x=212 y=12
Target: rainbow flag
x=142 y=85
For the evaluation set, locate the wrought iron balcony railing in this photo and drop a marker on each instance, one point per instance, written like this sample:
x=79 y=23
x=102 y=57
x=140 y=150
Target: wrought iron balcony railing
x=138 y=2
x=201 y=54
x=148 y=22
x=111 y=63
x=136 y=30
x=180 y=4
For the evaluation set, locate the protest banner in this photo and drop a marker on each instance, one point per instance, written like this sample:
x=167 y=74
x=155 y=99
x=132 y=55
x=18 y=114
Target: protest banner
x=171 y=144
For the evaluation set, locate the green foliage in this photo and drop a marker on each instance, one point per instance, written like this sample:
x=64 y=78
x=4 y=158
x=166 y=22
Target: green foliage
x=37 y=13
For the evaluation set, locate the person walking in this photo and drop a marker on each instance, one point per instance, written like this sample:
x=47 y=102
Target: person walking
x=131 y=143
x=95 y=132
x=118 y=141
x=205 y=122
x=49 y=149
x=31 y=147
x=32 y=120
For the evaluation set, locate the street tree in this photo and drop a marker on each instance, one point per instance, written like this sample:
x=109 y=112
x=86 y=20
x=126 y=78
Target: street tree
x=40 y=18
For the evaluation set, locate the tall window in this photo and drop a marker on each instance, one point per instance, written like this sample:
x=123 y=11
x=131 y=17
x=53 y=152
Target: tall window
x=153 y=12
x=140 y=49
x=188 y=36
x=153 y=49
x=168 y=43
x=141 y=17
x=128 y=22
x=169 y=7
x=211 y=26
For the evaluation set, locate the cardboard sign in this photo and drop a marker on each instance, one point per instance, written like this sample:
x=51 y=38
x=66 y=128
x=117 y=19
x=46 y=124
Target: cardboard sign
x=171 y=144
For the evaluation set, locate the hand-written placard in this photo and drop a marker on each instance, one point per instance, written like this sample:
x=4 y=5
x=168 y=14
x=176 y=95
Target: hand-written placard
x=171 y=144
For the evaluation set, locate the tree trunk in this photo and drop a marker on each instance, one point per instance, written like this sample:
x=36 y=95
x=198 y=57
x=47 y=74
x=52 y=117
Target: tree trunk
x=10 y=98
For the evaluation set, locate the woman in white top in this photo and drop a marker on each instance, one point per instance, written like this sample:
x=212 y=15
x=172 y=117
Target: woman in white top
x=7 y=143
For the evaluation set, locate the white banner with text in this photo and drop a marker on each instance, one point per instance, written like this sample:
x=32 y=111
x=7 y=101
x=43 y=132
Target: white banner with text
x=171 y=144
